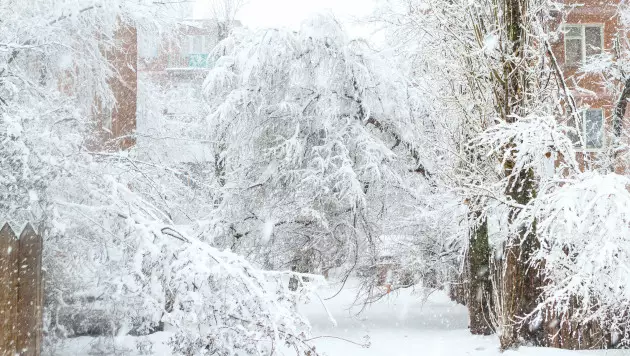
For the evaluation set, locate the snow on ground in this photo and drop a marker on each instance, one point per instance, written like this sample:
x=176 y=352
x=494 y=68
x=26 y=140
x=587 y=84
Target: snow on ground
x=401 y=324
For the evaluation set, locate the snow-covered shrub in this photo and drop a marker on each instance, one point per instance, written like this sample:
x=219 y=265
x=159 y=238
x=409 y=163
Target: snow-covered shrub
x=584 y=224
x=532 y=142
x=150 y=275
x=581 y=220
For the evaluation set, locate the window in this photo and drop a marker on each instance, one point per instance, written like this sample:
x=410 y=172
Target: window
x=590 y=129
x=582 y=42
x=594 y=128
x=196 y=44
x=148 y=46
x=198 y=48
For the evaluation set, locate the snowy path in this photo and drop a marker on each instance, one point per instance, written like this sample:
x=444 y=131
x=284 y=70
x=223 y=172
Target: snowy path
x=402 y=325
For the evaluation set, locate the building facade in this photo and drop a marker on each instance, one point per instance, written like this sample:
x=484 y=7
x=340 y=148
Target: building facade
x=590 y=31
x=180 y=54
x=175 y=63
x=118 y=123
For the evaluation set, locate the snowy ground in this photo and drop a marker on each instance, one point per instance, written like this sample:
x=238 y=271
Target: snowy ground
x=404 y=325
x=399 y=325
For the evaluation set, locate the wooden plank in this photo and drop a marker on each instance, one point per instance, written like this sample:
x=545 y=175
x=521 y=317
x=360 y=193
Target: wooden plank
x=8 y=290
x=29 y=324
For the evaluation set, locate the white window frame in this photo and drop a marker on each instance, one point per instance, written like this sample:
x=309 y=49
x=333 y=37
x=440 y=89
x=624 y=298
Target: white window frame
x=205 y=39
x=582 y=38
x=148 y=46
x=582 y=132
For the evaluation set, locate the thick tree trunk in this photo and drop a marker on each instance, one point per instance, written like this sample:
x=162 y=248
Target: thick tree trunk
x=521 y=281
x=480 y=295
x=457 y=290
x=563 y=331
x=521 y=278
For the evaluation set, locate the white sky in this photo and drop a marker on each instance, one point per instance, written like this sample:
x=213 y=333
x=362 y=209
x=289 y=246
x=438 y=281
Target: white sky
x=290 y=13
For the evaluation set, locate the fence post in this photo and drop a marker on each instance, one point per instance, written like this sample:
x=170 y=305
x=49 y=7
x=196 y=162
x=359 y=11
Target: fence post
x=8 y=290
x=29 y=323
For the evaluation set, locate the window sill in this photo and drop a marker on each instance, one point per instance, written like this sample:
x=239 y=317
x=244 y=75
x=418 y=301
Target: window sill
x=590 y=150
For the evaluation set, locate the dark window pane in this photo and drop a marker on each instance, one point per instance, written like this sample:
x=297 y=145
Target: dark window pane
x=573 y=31
x=594 y=127
x=593 y=39
x=573 y=52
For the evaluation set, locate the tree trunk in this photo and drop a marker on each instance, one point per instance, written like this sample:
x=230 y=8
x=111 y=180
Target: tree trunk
x=620 y=109
x=521 y=280
x=458 y=286
x=479 y=297
x=563 y=331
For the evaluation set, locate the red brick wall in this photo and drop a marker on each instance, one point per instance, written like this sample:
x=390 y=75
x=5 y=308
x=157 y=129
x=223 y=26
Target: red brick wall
x=592 y=12
x=599 y=12
x=123 y=59
x=125 y=87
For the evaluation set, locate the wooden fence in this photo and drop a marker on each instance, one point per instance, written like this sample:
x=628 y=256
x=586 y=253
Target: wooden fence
x=20 y=292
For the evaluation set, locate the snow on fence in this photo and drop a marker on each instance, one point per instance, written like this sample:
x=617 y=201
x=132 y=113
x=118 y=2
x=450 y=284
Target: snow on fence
x=20 y=292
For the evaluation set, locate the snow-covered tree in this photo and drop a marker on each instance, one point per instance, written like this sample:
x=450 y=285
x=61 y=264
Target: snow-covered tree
x=498 y=76
x=318 y=146
x=449 y=61
x=121 y=250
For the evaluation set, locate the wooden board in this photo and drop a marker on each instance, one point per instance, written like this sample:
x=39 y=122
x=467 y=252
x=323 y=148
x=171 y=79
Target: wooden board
x=8 y=290
x=29 y=323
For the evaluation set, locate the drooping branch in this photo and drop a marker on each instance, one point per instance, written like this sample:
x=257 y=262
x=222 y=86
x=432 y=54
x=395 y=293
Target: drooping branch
x=407 y=145
x=561 y=80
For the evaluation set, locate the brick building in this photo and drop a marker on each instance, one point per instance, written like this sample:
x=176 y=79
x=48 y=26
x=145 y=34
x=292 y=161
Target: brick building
x=180 y=54
x=590 y=29
x=173 y=61
x=114 y=123
x=118 y=123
